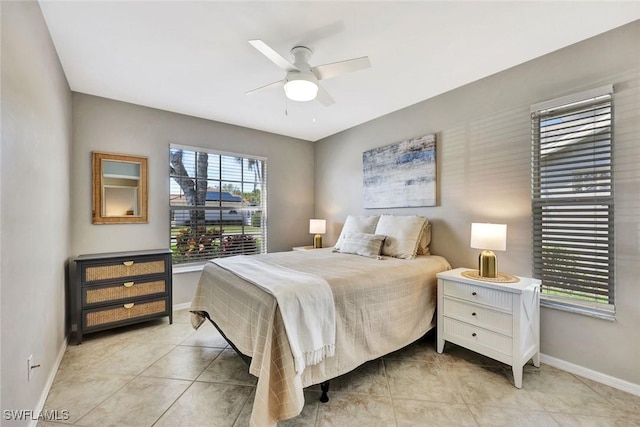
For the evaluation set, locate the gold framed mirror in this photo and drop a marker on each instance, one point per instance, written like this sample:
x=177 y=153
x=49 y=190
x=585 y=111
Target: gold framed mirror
x=119 y=189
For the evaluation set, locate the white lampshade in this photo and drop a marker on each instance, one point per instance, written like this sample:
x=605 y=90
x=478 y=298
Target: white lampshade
x=489 y=236
x=300 y=90
x=317 y=226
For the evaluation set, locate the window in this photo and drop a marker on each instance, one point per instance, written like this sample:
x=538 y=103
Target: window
x=217 y=204
x=572 y=202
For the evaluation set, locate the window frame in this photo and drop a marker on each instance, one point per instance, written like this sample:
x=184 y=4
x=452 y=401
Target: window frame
x=244 y=210
x=586 y=245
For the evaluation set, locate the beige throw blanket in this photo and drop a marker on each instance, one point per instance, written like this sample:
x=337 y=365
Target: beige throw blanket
x=305 y=302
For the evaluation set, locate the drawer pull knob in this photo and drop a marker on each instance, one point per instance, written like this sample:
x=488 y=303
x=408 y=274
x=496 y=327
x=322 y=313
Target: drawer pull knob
x=473 y=334
x=128 y=284
x=127 y=306
x=473 y=314
x=128 y=263
x=474 y=293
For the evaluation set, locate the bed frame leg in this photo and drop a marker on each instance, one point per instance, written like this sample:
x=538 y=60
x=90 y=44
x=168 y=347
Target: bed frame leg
x=325 y=389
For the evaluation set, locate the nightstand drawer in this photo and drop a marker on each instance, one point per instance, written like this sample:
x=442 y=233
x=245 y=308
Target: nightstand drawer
x=122 y=291
x=126 y=268
x=480 y=336
x=478 y=294
x=477 y=315
x=123 y=312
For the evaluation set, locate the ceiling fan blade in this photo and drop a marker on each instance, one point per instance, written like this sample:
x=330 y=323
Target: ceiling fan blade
x=324 y=97
x=274 y=56
x=279 y=83
x=327 y=71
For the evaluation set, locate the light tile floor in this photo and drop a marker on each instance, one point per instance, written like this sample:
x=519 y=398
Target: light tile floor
x=156 y=374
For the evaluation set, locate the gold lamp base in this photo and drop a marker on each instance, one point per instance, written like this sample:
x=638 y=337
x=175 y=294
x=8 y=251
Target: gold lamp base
x=317 y=241
x=488 y=264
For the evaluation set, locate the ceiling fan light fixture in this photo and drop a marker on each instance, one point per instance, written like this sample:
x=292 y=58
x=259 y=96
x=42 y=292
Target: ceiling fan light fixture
x=301 y=82
x=300 y=89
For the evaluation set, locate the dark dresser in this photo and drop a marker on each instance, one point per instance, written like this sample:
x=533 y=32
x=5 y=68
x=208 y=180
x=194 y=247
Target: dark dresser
x=122 y=288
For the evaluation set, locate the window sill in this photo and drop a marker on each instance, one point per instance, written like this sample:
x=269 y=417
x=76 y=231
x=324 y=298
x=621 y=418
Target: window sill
x=577 y=308
x=188 y=268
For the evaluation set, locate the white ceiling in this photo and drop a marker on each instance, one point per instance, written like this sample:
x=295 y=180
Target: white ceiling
x=194 y=58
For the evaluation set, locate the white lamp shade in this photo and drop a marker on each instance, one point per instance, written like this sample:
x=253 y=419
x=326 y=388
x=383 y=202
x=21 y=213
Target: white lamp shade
x=317 y=226
x=489 y=236
x=300 y=90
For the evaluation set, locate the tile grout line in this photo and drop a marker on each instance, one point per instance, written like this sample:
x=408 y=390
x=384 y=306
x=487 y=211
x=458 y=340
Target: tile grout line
x=135 y=377
x=190 y=385
x=464 y=401
x=393 y=402
x=109 y=396
x=243 y=405
x=582 y=381
x=173 y=403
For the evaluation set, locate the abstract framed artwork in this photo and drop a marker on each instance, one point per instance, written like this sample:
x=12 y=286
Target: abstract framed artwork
x=400 y=175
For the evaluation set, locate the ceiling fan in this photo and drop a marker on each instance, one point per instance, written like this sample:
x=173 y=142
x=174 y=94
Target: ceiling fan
x=301 y=80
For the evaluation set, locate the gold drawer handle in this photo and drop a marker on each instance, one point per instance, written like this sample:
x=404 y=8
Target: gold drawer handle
x=127 y=306
x=128 y=284
x=128 y=263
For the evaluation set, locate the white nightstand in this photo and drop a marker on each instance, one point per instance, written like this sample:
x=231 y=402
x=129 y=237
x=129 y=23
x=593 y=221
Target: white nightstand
x=303 y=248
x=498 y=320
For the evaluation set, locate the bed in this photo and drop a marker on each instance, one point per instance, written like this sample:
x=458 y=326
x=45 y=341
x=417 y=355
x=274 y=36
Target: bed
x=382 y=304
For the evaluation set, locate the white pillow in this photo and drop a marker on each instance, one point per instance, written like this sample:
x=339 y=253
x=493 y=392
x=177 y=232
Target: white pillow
x=357 y=224
x=425 y=240
x=364 y=244
x=403 y=234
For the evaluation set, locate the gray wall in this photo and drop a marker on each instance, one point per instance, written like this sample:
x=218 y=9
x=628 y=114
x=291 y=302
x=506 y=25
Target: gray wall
x=483 y=156
x=101 y=124
x=34 y=216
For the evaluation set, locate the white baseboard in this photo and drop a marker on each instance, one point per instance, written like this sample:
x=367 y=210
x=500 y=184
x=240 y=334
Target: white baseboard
x=614 y=382
x=182 y=306
x=49 y=383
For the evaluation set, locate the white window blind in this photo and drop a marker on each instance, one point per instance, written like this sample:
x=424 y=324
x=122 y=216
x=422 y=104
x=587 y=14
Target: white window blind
x=572 y=202
x=217 y=204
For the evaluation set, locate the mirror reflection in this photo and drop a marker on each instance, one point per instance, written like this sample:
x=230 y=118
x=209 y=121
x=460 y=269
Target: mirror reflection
x=119 y=189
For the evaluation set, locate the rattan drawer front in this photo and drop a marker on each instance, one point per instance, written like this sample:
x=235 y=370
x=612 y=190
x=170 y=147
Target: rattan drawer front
x=122 y=312
x=124 y=290
x=124 y=269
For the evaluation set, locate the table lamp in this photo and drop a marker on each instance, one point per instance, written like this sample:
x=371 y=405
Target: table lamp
x=317 y=227
x=489 y=238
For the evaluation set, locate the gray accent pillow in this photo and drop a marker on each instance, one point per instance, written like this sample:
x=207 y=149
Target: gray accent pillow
x=357 y=224
x=365 y=244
